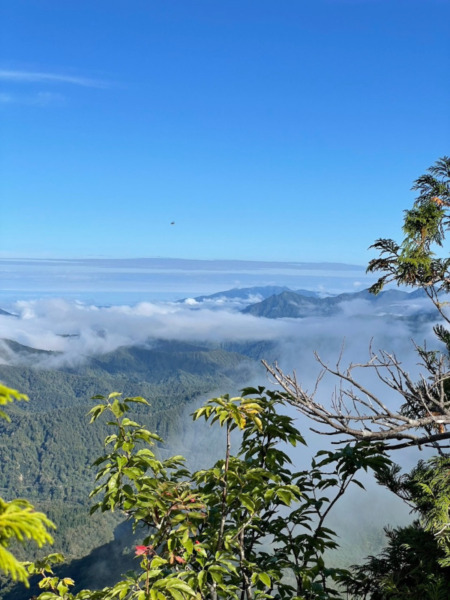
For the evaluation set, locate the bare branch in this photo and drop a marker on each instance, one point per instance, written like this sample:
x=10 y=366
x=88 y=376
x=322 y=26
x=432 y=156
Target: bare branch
x=357 y=413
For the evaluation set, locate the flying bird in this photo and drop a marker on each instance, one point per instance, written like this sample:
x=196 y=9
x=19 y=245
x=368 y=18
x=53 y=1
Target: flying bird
x=172 y=222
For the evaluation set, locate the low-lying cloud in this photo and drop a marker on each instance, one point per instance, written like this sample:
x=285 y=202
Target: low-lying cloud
x=75 y=330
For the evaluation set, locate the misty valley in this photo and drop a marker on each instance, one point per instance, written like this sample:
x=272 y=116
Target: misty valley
x=176 y=355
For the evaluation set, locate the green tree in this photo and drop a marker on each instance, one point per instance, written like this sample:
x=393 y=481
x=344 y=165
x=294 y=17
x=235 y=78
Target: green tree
x=408 y=568
x=359 y=413
x=19 y=522
x=415 y=562
x=427 y=488
x=249 y=527
x=413 y=262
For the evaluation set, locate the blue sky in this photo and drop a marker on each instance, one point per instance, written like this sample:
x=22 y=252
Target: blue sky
x=266 y=130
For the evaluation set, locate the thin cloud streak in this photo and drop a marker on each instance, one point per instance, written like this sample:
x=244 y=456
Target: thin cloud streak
x=41 y=77
x=39 y=99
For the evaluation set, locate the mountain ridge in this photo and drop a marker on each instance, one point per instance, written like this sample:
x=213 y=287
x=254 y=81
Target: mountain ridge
x=290 y=304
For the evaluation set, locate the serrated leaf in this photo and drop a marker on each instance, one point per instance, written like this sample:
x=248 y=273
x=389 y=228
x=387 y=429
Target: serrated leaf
x=126 y=422
x=117 y=408
x=62 y=589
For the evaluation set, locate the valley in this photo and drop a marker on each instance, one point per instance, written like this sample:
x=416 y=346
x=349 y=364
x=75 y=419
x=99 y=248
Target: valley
x=48 y=446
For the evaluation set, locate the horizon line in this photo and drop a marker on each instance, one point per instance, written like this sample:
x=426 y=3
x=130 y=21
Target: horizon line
x=172 y=258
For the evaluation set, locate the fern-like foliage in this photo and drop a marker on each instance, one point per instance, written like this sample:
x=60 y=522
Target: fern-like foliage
x=8 y=395
x=18 y=519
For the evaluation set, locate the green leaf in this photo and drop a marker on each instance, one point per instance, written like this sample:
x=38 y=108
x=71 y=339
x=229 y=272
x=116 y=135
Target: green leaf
x=117 y=408
x=247 y=502
x=285 y=496
x=188 y=544
x=265 y=579
x=128 y=423
x=202 y=579
x=176 y=595
x=157 y=562
x=62 y=588
x=182 y=586
x=138 y=400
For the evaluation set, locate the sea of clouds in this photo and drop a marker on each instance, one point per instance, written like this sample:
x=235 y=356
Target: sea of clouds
x=73 y=330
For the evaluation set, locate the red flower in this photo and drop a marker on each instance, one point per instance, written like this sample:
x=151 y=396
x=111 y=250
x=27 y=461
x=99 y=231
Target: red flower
x=180 y=560
x=140 y=550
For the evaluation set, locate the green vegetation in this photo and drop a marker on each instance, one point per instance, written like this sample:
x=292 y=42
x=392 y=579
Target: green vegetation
x=18 y=519
x=249 y=525
x=47 y=449
x=416 y=561
x=254 y=525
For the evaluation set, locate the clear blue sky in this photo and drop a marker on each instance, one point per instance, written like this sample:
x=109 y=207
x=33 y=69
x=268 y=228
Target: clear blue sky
x=272 y=130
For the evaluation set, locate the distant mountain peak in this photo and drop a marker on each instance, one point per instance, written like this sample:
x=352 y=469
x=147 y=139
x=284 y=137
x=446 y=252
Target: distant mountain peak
x=248 y=294
x=289 y=304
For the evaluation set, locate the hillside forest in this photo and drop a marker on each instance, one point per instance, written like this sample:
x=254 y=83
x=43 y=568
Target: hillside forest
x=254 y=524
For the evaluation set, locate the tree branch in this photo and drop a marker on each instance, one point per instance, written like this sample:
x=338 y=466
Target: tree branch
x=357 y=413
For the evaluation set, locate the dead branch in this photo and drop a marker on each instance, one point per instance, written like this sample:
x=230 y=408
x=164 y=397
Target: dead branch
x=356 y=413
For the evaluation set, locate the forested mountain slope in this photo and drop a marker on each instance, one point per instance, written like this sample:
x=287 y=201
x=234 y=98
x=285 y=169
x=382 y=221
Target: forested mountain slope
x=296 y=305
x=48 y=446
x=247 y=294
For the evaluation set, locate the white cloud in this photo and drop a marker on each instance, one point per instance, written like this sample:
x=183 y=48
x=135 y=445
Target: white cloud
x=77 y=330
x=43 y=77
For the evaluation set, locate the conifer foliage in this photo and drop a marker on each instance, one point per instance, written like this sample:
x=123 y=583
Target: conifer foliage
x=18 y=519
